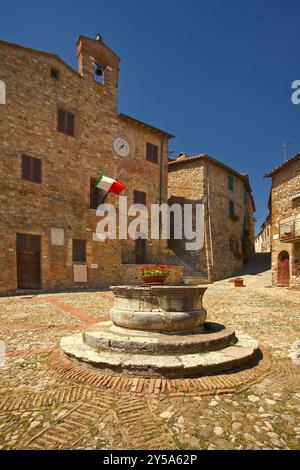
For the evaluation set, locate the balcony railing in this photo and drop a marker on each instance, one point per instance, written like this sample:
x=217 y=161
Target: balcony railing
x=290 y=231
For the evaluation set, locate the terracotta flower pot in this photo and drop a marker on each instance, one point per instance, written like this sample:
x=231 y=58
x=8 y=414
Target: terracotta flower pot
x=238 y=282
x=154 y=280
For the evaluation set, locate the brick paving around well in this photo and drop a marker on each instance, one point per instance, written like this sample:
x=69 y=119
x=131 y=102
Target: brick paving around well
x=48 y=403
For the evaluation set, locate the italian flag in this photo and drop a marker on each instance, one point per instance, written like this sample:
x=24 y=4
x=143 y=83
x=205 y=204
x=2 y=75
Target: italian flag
x=109 y=185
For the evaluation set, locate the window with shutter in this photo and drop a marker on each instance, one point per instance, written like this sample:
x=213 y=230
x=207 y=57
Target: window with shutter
x=151 y=152
x=65 y=122
x=139 y=197
x=230 y=182
x=31 y=169
x=79 y=251
x=231 y=209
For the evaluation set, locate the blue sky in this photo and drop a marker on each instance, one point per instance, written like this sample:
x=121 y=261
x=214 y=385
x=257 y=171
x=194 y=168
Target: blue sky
x=216 y=73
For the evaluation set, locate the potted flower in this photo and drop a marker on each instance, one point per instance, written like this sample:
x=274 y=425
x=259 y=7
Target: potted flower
x=155 y=275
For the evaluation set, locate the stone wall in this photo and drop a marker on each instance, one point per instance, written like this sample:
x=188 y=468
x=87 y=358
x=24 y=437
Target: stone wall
x=285 y=210
x=28 y=123
x=206 y=180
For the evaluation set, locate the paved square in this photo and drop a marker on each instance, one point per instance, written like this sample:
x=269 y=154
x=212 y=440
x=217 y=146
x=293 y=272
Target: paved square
x=41 y=410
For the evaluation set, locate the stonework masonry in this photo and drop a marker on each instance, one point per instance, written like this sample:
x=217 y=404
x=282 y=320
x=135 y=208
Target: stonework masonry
x=285 y=223
x=37 y=84
x=229 y=238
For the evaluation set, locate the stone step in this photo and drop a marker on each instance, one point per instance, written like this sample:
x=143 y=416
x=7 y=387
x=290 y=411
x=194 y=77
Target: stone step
x=194 y=279
x=169 y=366
x=107 y=337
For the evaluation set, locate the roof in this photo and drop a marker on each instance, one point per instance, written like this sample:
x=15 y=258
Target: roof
x=38 y=52
x=143 y=124
x=283 y=165
x=183 y=158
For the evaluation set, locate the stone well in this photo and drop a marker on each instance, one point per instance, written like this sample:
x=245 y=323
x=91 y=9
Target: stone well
x=160 y=331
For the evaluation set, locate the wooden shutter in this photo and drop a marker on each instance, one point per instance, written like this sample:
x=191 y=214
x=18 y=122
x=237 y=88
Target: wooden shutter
x=151 y=152
x=26 y=167
x=139 y=197
x=31 y=169
x=70 y=124
x=36 y=170
x=231 y=209
x=65 y=122
x=61 y=120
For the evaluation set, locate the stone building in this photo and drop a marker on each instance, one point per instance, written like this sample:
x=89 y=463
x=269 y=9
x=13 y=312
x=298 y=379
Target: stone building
x=59 y=128
x=263 y=238
x=229 y=208
x=285 y=222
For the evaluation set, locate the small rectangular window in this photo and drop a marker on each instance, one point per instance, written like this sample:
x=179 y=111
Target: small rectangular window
x=231 y=209
x=79 y=251
x=54 y=74
x=234 y=246
x=230 y=182
x=66 y=122
x=31 y=169
x=151 y=152
x=97 y=195
x=139 y=197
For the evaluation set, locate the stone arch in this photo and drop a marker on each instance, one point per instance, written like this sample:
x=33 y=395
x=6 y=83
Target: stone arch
x=2 y=92
x=283 y=272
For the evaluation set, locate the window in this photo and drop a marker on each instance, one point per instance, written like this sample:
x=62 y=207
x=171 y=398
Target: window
x=231 y=209
x=230 y=182
x=79 y=251
x=234 y=246
x=65 y=122
x=31 y=169
x=97 y=195
x=54 y=74
x=151 y=152
x=139 y=197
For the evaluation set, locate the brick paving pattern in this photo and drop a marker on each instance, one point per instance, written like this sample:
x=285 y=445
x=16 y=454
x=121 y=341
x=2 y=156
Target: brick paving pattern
x=48 y=403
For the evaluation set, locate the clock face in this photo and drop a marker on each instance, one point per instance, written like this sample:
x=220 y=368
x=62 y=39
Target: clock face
x=121 y=146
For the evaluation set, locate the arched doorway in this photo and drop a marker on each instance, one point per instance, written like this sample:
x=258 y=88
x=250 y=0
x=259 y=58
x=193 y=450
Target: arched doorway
x=284 y=268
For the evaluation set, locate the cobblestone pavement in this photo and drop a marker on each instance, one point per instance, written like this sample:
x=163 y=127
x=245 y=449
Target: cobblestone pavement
x=41 y=410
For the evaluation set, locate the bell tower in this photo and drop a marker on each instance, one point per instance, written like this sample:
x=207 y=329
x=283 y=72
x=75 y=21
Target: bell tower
x=96 y=60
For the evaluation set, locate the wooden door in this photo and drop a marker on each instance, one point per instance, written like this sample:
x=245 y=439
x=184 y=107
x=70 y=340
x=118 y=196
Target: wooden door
x=284 y=268
x=29 y=261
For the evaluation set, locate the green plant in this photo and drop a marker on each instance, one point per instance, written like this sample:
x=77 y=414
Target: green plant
x=155 y=271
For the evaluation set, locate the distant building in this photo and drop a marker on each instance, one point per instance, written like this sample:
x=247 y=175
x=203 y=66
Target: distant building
x=229 y=208
x=263 y=238
x=285 y=220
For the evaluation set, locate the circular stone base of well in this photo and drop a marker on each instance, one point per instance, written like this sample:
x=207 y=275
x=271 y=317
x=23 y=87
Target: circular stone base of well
x=231 y=382
x=157 y=355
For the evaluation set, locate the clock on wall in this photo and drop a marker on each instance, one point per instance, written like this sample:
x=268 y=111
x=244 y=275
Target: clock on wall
x=121 y=147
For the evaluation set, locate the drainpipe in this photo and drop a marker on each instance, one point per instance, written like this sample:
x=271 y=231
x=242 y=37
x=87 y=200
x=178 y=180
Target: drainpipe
x=210 y=268
x=160 y=186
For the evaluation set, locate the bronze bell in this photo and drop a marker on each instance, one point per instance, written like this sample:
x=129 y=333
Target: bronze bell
x=98 y=70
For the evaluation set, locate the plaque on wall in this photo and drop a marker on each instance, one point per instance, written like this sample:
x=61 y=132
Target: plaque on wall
x=80 y=272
